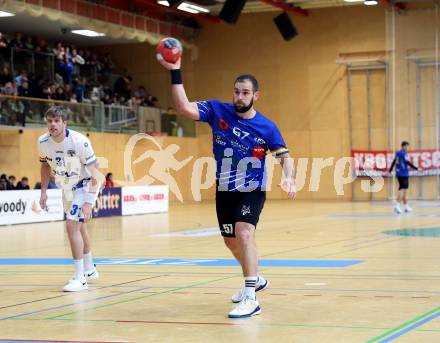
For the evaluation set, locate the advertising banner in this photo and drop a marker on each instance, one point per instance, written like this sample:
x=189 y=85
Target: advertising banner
x=144 y=199
x=377 y=162
x=108 y=203
x=18 y=207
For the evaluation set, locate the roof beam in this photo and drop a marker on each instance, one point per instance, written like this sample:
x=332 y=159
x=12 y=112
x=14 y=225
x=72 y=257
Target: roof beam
x=287 y=7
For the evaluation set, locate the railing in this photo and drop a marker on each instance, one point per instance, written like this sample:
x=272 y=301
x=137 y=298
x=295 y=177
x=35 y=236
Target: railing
x=44 y=64
x=29 y=112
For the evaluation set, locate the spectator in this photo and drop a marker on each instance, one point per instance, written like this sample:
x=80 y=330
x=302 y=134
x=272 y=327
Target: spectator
x=5 y=76
x=23 y=90
x=122 y=86
x=4 y=48
x=17 y=42
x=22 y=77
x=79 y=89
x=29 y=43
x=12 y=181
x=4 y=182
x=50 y=185
x=109 y=181
x=23 y=184
x=60 y=95
x=42 y=46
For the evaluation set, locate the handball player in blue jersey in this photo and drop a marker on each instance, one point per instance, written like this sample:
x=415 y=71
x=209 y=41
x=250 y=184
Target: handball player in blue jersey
x=401 y=161
x=241 y=138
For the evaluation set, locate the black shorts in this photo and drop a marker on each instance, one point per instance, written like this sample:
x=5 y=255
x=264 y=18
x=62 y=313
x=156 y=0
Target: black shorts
x=403 y=182
x=235 y=207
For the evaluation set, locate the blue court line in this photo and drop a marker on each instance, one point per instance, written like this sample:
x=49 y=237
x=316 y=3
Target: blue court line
x=75 y=303
x=411 y=328
x=383 y=215
x=184 y=262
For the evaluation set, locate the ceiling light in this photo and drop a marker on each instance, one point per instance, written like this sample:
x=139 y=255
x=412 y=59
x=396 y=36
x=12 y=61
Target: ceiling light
x=187 y=7
x=192 y=8
x=370 y=2
x=6 y=14
x=88 y=33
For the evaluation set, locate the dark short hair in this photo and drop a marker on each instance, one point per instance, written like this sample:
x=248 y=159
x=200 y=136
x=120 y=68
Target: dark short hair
x=248 y=77
x=404 y=143
x=57 y=111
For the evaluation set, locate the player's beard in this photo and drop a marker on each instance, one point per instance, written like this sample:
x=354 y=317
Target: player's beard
x=242 y=108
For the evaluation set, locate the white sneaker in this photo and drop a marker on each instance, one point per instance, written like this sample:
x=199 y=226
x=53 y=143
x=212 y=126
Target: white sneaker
x=237 y=297
x=76 y=285
x=408 y=209
x=246 y=308
x=92 y=274
x=397 y=209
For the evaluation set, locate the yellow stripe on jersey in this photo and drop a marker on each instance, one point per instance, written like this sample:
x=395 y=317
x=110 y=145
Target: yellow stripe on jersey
x=280 y=151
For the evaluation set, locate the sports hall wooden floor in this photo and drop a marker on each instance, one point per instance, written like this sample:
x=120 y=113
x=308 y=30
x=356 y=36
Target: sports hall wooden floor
x=390 y=292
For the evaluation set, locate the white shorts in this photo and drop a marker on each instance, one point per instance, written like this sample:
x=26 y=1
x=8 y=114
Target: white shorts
x=73 y=201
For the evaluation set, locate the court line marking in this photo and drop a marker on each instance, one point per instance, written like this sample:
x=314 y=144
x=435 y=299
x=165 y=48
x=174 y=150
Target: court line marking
x=72 y=304
x=364 y=246
x=4 y=340
x=241 y=323
x=272 y=275
x=144 y=296
x=418 y=320
x=212 y=262
x=67 y=294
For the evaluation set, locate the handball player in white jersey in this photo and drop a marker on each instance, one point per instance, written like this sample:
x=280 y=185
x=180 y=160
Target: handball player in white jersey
x=69 y=156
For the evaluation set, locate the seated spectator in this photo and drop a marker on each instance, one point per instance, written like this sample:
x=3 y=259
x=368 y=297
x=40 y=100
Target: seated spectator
x=12 y=181
x=4 y=182
x=42 y=46
x=50 y=185
x=21 y=78
x=23 y=90
x=23 y=184
x=29 y=43
x=5 y=76
x=122 y=86
x=17 y=42
x=109 y=181
x=60 y=95
x=4 y=48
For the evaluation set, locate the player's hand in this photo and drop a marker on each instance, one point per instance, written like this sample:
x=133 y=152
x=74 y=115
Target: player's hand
x=169 y=65
x=87 y=212
x=288 y=186
x=43 y=201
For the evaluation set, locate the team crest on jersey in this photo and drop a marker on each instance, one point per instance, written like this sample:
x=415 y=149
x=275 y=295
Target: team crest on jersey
x=245 y=210
x=71 y=153
x=222 y=124
x=86 y=144
x=258 y=152
x=260 y=141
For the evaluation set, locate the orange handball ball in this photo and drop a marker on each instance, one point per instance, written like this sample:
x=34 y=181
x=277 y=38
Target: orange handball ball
x=169 y=49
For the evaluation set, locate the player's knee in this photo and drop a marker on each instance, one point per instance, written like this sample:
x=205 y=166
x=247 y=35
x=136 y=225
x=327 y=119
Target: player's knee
x=243 y=232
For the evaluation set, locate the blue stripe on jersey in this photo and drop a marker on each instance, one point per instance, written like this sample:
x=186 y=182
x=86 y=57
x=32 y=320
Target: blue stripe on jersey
x=240 y=145
x=44 y=140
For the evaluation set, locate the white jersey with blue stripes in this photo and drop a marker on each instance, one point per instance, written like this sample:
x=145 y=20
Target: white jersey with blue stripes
x=67 y=159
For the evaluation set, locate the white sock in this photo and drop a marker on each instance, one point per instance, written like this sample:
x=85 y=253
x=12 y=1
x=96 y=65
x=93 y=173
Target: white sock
x=79 y=268
x=249 y=286
x=88 y=261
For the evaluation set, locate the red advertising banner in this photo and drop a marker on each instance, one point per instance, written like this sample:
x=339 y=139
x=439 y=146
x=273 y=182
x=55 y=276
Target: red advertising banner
x=378 y=162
